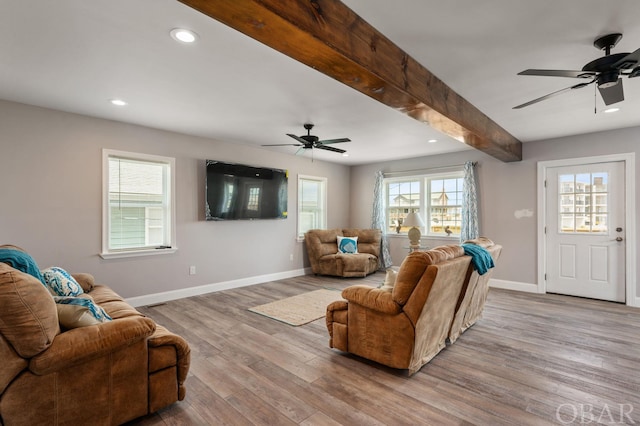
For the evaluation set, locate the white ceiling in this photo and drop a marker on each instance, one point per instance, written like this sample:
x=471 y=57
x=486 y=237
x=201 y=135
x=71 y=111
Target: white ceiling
x=75 y=55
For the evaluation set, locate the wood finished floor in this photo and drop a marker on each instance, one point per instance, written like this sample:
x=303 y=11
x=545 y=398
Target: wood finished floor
x=532 y=360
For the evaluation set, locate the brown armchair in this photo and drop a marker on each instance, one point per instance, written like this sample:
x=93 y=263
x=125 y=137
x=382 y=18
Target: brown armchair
x=103 y=374
x=322 y=249
x=408 y=326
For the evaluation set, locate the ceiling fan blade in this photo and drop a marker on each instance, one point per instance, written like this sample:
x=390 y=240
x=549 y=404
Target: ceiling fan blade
x=558 y=73
x=298 y=138
x=542 y=98
x=629 y=61
x=330 y=148
x=330 y=141
x=613 y=94
x=283 y=144
x=300 y=151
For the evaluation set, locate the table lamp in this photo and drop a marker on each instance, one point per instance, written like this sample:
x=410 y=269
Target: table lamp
x=414 y=220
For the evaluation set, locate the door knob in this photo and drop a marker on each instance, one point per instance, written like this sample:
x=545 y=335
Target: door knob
x=618 y=229
x=618 y=239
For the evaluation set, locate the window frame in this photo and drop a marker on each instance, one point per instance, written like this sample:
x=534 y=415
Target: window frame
x=424 y=206
x=322 y=199
x=169 y=208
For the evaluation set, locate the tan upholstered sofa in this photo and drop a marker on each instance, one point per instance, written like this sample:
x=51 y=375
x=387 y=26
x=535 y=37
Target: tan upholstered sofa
x=102 y=374
x=322 y=249
x=406 y=327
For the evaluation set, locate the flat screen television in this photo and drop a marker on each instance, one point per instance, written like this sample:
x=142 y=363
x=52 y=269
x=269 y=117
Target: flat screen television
x=238 y=191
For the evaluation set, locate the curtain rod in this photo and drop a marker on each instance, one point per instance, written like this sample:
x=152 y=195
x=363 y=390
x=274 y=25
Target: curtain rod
x=430 y=169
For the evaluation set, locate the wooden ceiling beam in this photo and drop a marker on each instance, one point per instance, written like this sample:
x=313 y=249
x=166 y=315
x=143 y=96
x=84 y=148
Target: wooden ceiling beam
x=329 y=37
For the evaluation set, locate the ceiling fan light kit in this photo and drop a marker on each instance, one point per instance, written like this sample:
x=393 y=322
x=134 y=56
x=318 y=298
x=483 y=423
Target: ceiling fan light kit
x=606 y=72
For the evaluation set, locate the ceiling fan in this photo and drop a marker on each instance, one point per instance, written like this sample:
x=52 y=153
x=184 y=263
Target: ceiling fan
x=605 y=72
x=310 y=141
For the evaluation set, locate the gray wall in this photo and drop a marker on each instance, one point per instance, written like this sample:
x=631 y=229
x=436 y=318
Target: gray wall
x=503 y=188
x=50 y=169
x=51 y=192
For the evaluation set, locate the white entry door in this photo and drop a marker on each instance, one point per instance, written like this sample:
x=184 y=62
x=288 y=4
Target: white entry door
x=585 y=233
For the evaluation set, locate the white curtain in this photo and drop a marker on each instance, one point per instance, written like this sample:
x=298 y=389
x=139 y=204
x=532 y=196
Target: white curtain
x=378 y=221
x=469 y=229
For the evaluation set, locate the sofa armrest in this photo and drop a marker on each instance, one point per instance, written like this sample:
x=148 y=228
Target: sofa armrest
x=86 y=343
x=372 y=298
x=164 y=337
x=85 y=280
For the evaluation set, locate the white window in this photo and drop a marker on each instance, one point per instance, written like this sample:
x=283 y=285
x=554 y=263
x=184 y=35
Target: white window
x=138 y=204
x=437 y=198
x=312 y=204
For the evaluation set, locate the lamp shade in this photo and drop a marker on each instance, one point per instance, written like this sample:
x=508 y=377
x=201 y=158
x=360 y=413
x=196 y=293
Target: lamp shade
x=413 y=219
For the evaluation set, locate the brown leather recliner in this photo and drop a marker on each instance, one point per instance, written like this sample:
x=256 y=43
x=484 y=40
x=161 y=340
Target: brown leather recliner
x=438 y=294
x=104 y=374
x=407 y=327
x=322 y=249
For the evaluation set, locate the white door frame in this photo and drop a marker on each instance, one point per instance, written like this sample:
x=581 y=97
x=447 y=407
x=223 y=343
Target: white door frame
x=632 y=298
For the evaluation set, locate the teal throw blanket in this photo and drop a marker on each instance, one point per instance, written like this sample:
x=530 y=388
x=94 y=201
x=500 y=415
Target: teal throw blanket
x=480 y=257
x=21 y=261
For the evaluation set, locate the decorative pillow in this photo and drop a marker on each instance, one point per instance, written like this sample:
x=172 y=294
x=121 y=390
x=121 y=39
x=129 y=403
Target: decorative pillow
x=74 y=316
x=94 y=310
x=21 y=261
x=347 y=245
x=390 y=280
x=60 y=282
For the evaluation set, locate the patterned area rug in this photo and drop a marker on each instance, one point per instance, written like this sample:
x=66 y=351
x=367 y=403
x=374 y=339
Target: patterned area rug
x=300 y=309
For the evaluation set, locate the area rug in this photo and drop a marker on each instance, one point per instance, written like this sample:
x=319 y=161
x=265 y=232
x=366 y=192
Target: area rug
x=300 y=309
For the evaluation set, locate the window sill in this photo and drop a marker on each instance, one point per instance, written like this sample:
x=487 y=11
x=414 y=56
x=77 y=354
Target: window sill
x=136 y=253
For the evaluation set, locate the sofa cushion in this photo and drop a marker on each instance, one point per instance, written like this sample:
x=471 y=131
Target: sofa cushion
x=60 y=282
x=85 y=280
x=409 y=276
x=368 y=239
x=28 y=318
x=347 y=245
x=113 y=303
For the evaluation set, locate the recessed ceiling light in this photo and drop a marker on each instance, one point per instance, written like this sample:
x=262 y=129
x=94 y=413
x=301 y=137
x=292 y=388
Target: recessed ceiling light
x=344 y=154
x=118 y=102
x=610 y=110
x=183 y=36
x=432 y=140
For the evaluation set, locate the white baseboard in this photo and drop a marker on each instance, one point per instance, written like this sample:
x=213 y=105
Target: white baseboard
x=513 y=285
x=152 y=299
x=636 y=304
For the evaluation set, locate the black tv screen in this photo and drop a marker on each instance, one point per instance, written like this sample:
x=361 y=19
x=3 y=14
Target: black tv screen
x=237 y=191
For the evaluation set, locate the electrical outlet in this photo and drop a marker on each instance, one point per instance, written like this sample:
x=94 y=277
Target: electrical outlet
x=291 y=257
x=192 y=270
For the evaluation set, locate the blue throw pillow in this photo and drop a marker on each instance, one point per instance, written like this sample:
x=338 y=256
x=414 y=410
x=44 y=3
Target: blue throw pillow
x=60 y=282
x=347 y=245
x=21 y=261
